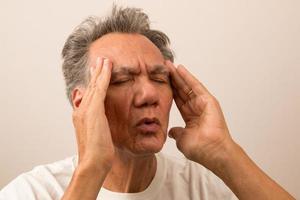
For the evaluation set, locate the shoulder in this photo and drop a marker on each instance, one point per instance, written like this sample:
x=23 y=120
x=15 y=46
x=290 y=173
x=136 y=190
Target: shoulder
x=42 y=182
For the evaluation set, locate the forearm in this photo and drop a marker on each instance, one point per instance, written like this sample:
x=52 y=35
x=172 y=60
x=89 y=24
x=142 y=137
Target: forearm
x=244 y=177
x=85 y=184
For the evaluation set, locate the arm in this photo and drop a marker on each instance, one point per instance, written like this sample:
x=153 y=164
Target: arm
x=244 y=177
x=85 y=183
x=95 y=147
x=207 y=141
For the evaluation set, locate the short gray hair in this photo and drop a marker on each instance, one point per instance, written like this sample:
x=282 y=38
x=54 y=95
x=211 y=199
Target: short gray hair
x=124 y=20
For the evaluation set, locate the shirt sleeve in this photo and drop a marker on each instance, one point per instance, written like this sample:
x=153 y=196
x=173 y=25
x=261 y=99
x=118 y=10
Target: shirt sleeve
x=23 y=187
x=17 y=189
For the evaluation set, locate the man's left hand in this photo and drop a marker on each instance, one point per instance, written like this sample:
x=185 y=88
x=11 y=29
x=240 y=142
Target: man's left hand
x=206 y=133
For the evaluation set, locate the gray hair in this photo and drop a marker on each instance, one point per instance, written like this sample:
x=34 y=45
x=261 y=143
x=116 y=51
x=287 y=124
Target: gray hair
x=124 y=20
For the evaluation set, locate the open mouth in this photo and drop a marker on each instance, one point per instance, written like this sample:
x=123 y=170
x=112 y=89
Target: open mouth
x=148 y=125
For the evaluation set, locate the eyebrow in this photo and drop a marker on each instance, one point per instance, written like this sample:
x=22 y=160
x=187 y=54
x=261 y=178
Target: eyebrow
x=159 y=69
x=123 y=70
x=129 y=70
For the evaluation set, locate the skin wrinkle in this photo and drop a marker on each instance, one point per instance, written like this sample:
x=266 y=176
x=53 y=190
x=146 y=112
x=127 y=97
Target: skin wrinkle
x=124 y=73
x=121 y=155
x=148 y=93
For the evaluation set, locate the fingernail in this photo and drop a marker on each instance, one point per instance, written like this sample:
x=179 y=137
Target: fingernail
x=170 y=63
x=97 y=61
x=91 y=70
x=106 y=61
x=93 y=67
x=180 y=65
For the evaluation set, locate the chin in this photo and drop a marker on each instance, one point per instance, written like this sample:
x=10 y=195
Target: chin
x=141 y=143
x=147 y=146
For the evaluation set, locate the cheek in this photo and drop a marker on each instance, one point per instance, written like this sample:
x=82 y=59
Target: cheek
x=167 y=99
x=117 y=105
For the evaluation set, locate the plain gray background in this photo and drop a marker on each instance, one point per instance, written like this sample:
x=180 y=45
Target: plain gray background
x=247 y=53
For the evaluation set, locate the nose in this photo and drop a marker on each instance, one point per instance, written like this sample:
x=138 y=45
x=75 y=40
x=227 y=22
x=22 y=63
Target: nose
x=146 y=94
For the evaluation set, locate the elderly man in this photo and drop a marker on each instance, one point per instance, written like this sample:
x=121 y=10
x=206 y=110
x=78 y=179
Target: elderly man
x=121 y=82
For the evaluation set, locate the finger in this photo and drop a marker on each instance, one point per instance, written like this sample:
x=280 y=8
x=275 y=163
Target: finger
x=182 y=106
x=178 y=82
x=184 y=91
x=176 y=133
x=104 y=78
x=96 y=70
x=179 y=101
x=191 y=81
x=102 y=83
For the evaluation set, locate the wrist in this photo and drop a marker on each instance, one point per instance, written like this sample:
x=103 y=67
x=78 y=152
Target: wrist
x=94 y=163
x=229 y=162
x=218 y=158
x=86 y=182
x=231 y=151
x=90 y=169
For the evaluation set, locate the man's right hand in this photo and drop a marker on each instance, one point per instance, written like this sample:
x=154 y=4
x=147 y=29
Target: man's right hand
x=95 y=146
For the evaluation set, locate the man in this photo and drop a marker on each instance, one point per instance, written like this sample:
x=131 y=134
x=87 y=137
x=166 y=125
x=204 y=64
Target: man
x=121 y=82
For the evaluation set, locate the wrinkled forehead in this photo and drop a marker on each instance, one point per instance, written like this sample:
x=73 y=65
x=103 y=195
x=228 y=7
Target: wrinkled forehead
x=121 y=71
x=127 y=51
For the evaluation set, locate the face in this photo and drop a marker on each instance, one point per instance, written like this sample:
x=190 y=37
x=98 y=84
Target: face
x=139 y=96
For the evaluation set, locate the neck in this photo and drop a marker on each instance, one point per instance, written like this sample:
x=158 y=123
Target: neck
x=130 y=174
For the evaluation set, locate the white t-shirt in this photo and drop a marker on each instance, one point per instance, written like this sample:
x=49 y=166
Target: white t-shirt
x=175 y=179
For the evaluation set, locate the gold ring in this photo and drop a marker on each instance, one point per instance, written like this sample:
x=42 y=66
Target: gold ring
x=190 y=92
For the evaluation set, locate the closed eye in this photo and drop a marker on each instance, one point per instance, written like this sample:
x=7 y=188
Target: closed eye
x=160 y=80
x=121 y=81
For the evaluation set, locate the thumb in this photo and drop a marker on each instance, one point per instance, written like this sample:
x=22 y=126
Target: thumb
x=176 y=132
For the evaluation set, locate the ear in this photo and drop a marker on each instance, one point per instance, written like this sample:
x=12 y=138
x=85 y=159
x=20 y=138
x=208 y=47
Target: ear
x=77 y=95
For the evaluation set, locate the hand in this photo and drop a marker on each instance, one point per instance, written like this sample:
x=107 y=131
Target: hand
x=206 y=133
x=206 y=140
x=94 y=140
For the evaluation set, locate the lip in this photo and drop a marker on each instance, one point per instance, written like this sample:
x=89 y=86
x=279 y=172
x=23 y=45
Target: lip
x=148 y=125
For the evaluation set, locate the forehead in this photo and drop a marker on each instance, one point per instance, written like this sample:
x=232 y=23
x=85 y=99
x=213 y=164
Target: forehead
x=125 y=49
